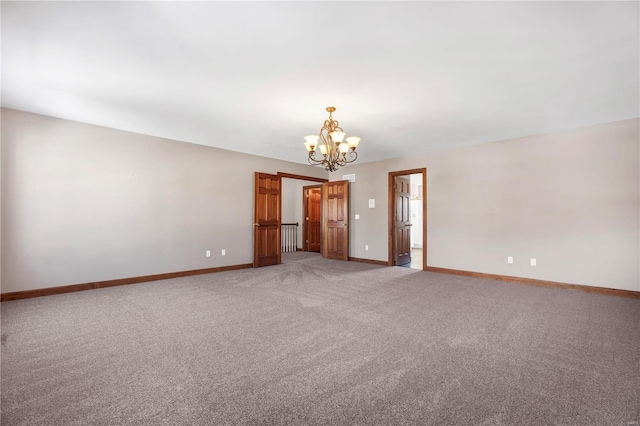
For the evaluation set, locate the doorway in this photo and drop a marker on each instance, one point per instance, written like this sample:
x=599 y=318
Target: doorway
x=268 y=217
x=312 y=218
x=408 y=218
x=328 y=213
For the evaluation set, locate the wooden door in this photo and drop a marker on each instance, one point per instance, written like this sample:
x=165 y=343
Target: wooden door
x=312 y=229
x=267 y=218
x=335 y=220
x=402 y=217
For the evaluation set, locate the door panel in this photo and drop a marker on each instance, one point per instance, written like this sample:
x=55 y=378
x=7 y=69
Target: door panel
x=335 y=210
x=402 y=217
x=313 y=220
x=267 y=220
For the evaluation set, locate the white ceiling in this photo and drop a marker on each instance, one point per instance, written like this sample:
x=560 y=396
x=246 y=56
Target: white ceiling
x=256 y=77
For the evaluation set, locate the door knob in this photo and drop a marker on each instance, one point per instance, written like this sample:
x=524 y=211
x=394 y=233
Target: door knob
x=256 y=224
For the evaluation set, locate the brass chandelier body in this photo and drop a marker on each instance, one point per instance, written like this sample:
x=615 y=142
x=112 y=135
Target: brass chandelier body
x=331 y=145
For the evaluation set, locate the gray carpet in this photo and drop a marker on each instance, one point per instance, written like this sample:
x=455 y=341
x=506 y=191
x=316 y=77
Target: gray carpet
x=314 y=341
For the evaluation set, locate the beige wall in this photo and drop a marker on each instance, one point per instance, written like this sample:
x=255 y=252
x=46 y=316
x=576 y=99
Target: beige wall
x=83 y=203
x=569 y=199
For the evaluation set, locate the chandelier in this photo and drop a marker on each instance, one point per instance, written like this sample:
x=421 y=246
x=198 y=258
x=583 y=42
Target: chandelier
x=333 y=149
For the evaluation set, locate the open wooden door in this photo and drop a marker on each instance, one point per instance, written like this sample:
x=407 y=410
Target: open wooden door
x=335 y=220
x=402 y=217
x=267 y=218
x=312 y=226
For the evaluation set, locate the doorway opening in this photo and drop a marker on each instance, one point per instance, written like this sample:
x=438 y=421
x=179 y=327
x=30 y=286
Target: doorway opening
x=320 y=213
x=312 y=218
x=269 y=221
x=300 y=212
x=408 y=218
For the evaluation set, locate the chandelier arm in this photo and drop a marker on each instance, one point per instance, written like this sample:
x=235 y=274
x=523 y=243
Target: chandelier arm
x=353 y=154
x=312 y=159
x=324 y=136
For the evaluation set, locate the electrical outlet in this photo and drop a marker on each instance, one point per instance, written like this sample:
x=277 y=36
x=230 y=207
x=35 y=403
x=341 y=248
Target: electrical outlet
x=207 y=253
x=357 y=216
x=366 y=248
x=509 y=259
x=533 y=262
x=224 y=252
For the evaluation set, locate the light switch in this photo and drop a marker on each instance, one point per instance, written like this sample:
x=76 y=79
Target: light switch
x=372 y=203
x=357 y=216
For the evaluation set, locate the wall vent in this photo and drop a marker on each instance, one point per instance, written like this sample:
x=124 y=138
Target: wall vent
x=350 y=178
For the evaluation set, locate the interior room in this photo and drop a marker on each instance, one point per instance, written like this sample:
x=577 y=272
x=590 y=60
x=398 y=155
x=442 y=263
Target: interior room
x=298 y=213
